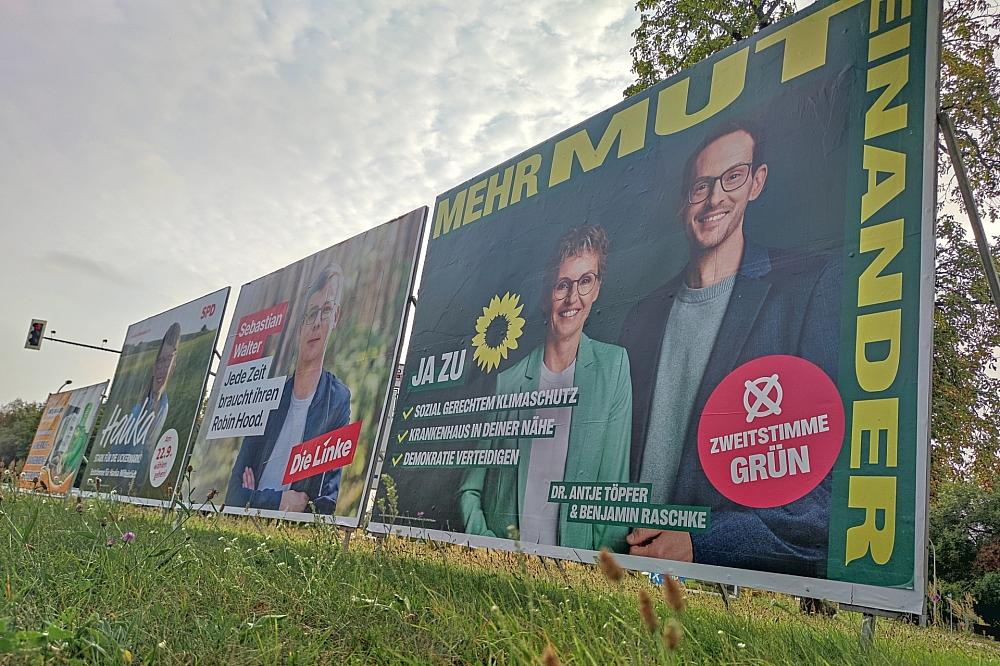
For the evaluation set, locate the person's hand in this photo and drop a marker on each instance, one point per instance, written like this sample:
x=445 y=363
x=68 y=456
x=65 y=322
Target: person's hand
x=662 y=544
x=293 y=500
x=249 y=482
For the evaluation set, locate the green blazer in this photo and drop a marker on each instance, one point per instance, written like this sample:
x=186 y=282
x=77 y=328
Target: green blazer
x=491 y=499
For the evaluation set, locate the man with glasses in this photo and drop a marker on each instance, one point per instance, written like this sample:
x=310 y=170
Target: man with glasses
x=313 y=402
x=733 y=302
x=591 y=440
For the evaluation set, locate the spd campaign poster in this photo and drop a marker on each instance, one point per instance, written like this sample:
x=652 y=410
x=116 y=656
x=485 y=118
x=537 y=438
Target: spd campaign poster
x=141 y=448
x=295 y=412
x=61 y=439
x=695 y=328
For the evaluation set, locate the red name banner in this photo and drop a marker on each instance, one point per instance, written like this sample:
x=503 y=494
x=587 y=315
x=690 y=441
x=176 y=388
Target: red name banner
x=253 y=331
x=321 y=454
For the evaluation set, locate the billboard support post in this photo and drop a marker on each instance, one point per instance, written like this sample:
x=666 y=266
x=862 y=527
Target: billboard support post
x=725 y=596
x=867 y=630
x=948 y=130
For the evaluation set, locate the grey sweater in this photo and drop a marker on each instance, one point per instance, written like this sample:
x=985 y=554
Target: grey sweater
x=691 y=330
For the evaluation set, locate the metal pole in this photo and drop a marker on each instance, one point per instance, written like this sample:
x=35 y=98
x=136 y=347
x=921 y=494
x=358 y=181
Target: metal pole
x=867 y=630
x=80 y=344
x=725 y=595
x=948 y=130
x=937 y=590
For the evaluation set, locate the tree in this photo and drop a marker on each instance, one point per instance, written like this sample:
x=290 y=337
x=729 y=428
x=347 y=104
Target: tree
x=676 y=34
x=965 y=424
x=965 y=527
x=18 y=423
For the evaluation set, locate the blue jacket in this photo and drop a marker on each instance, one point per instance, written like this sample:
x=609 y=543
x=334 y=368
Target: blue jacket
x=782 y=302
x=330 y=409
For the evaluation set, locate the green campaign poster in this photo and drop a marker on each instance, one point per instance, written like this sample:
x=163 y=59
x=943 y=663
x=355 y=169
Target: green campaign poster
x=695 y=328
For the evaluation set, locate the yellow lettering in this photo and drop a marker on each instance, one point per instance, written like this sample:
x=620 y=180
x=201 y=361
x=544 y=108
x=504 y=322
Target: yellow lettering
x=873 y=287
x=448 y=217
x=805 y=40
x=888 y=42
x=728 y=79
x=628 y=126
x=877 y=375
x=498 y=189
x=526 y=178
x=890 y=12
x=874 y=494
x=879 y=160
x=892 y=76
x=474 y=198
x=869 y=420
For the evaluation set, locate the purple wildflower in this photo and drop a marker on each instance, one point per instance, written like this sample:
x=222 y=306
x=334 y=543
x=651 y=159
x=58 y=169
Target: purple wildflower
x=128 y=537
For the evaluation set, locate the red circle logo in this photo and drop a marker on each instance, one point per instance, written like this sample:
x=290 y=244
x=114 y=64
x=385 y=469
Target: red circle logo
x=771 y=431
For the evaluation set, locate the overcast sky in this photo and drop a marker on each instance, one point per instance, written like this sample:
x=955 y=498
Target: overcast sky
x=151 y=152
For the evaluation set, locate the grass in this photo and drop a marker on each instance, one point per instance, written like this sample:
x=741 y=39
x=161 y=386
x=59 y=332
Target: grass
x=193 y=588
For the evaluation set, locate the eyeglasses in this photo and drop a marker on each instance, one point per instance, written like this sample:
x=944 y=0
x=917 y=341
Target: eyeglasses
x=584 y=285
x=731 y=179
x=314 y=312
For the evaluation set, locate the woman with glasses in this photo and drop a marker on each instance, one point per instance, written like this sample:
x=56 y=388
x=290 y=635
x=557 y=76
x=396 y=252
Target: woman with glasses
x=592 y=438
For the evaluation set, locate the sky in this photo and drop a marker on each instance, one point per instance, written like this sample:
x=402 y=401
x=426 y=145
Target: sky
x=152 y=152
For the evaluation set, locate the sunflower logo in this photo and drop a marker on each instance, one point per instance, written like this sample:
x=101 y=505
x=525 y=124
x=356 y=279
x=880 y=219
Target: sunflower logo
x=497 y=331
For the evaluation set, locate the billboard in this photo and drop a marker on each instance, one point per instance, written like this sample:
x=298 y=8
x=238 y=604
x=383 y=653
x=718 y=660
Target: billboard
x=296 y=408
x=61 y=439
x=695 y=329
x=141 y=447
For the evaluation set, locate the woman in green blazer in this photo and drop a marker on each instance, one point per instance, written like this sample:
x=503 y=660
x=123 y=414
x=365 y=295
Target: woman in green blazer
x=497 y=501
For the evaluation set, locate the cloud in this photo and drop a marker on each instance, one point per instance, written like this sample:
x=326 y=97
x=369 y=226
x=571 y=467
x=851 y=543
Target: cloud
x=73 y=266
x=158 y=151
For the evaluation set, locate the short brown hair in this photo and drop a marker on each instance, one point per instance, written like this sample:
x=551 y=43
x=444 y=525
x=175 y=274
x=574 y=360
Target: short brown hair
x=727 y=128
x=576 y=241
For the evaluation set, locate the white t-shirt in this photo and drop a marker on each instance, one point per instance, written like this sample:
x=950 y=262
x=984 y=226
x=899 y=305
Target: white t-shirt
x=290 y=435
x=539 y=522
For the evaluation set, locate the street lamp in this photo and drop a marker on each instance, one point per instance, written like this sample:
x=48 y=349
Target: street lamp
x=65 y=384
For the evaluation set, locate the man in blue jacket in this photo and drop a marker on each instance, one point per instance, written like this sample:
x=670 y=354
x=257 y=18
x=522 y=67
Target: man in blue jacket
x=313 y=402
x=733 y=302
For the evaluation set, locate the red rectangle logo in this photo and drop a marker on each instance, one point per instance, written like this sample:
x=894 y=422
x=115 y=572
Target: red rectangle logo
x=321 y=454
x=253 y=331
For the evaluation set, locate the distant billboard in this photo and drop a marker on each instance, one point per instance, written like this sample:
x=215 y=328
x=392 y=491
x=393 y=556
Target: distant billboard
x=141 y=448
x=297 y=404
x=695 y=329
x=60 y=442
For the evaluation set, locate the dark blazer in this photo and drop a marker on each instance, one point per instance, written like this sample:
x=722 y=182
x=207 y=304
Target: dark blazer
x=783 y=302
x=330 y=409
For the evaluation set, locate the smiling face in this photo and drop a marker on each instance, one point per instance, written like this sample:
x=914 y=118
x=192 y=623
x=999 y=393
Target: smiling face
x=719 y=217
x=569 y=308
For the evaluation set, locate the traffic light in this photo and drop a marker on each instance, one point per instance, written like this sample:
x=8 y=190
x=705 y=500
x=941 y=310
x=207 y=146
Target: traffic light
x=35 y=334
